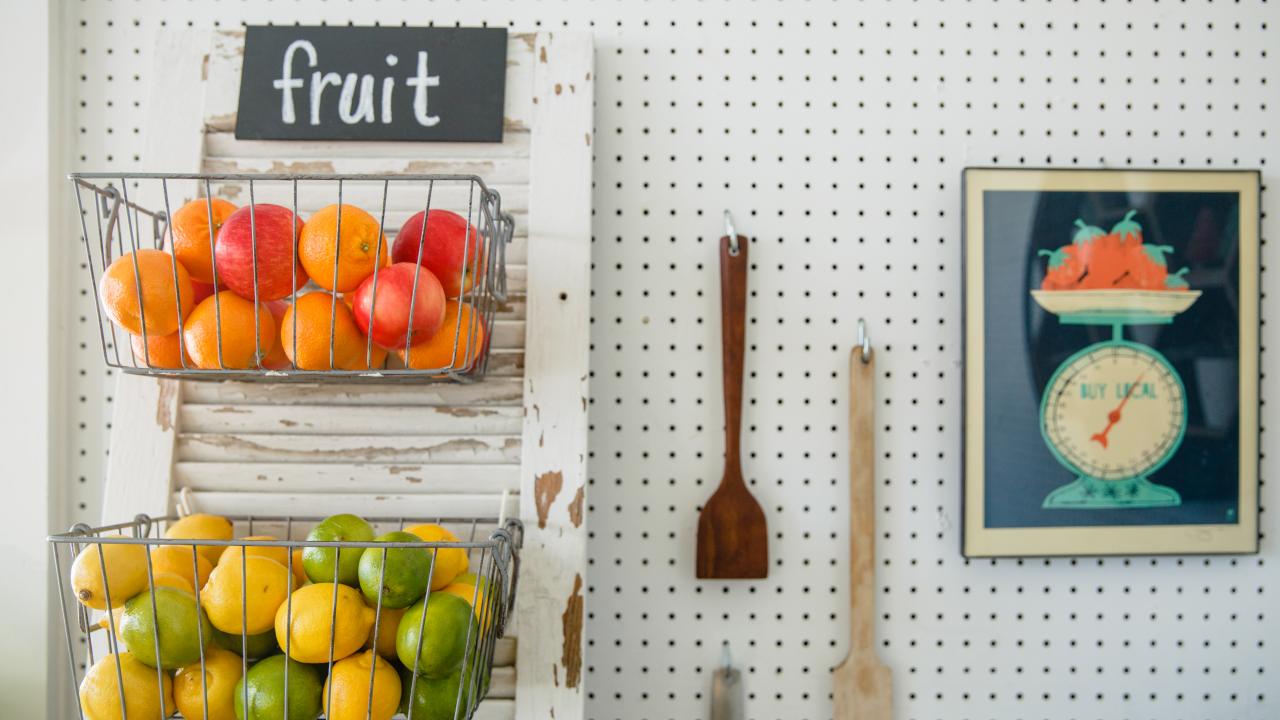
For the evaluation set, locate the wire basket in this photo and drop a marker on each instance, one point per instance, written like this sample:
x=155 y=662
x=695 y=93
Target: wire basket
x=122 y=651
x=223 y=282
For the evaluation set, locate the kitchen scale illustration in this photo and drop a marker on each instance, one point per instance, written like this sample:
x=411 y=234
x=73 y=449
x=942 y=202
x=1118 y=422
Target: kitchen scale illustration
x=1114 y=412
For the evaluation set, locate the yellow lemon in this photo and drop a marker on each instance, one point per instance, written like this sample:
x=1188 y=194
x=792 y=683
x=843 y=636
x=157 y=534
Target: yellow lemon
x=346 y=691
x=122 y=569
x=279 y=554
x=202 y=527
x=173 y=580
x=100 y=690
x=475 y=596
x=450 y=562
x=307 y=633
x=267 y=586
x=299 y=572
x=386 y=627
x=222 y=670
x=177 y=560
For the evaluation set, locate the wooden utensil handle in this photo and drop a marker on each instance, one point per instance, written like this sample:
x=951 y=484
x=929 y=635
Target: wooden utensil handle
x=862 y=498
x=733 y=310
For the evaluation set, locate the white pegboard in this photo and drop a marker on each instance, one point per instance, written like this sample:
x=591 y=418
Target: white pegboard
x=836 y=133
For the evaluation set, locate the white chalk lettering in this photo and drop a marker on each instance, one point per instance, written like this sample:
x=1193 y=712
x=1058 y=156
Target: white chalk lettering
x=420 y=83
x=288 y=83
x=365 y=110
x=318 y=83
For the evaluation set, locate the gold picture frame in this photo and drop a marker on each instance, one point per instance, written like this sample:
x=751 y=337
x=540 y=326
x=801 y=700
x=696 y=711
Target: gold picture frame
x=1080 y=331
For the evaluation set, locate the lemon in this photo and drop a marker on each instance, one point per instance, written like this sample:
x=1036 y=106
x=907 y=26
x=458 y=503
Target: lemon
x=400 y=573
x=386 y=628
x=436 y=698
x=122 y=569
x=450 y=562
x=100 y=690
x=309 y=630
x=267 y=586
x=202 y=527
x=475 y=596
x=266 y=682
x=222 y=670
x=254 y=647
x=320 y=562
x=279 y=554
x=175 y=626
x=346 y=691
x=299 y=570
x=445 y=631
x=179 y=560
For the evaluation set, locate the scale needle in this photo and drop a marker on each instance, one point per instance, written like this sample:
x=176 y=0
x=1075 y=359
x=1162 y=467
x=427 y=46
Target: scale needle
x=1113 y=417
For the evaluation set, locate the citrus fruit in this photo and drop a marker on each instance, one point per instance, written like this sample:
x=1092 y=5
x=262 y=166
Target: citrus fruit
x=477 y=598
x=178 y=560
x=450 y=562
x=249 y=606
x=386 y=626
x=254 y=647
x=347 y=689
x=307 y=345
x=299 y=570
x=450 y=248
x=279 y=554
x=158 y=306
x=401 y=573
x=436 y=698
x=265 y=682
x=256 y=252
x=276 y=359
x=391 y=302
x=222 y=670
x=159 y=351
x=313 y=623
x=202 y=526
x=101 y=688
x=172 y=580
x=438 y=352
x=190 y=237
x=175 y=626
x=233 y=317
x=354 y=251
x=111 y=621
x=125 y=573
x=445 y=632
x=319 y=561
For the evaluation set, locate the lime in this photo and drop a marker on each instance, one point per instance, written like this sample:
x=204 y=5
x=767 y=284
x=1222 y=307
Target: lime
x=319 y=561
x=178 y=620
x=266 y=691
x=256 y=646
x=448 y=626
x=403 y=576
x=435 y=698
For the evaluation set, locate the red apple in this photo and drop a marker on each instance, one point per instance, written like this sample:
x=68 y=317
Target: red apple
x=276 y=237
x=386 y=317
x=449 y=236
x=200 y=291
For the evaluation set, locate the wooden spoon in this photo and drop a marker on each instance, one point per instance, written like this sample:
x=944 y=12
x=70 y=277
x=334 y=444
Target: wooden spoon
x=733 y=539
x=863 y=685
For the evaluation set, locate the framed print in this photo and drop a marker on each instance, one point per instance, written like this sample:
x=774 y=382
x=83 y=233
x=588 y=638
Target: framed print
x=1111 y=362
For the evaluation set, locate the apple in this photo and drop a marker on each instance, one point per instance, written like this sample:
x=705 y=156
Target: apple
x=276 y=238
x=385 y=317
x=448 y=238
x=200 y=291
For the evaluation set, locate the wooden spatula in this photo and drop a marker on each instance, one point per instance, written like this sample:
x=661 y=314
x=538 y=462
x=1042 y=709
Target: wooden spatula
x=733 y=539
x=863 y=685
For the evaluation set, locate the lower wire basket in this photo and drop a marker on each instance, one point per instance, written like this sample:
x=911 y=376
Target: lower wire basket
x=358 y=619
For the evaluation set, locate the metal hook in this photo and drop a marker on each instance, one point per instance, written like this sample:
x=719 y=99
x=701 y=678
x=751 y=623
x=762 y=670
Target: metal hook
x=725 y=661
x=864 y=340
x=731 y=233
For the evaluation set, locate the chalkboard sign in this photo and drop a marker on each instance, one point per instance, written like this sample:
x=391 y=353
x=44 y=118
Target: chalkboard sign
x=372 y=83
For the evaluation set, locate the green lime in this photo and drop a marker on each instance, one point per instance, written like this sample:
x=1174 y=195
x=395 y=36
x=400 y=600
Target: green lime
x=436 y=698
x=266 y=691
x=258 y=646
x=319 y=561
x=179 y=621
x=404 y=575
x=448 y=626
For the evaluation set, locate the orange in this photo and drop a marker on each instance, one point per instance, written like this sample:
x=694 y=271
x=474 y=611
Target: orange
x=312 y=352
x=158 y=306
x=276 y=359
x=238 y=349
x=355 y=251
x=159 y=351
x=436 y=352
x=189 y=234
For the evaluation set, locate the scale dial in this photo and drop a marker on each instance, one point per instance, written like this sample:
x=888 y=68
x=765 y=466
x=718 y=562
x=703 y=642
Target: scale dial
x=1114 y=411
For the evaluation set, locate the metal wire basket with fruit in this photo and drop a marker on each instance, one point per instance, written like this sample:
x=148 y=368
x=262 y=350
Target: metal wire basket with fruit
x=218 y=617
x=299 y=281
